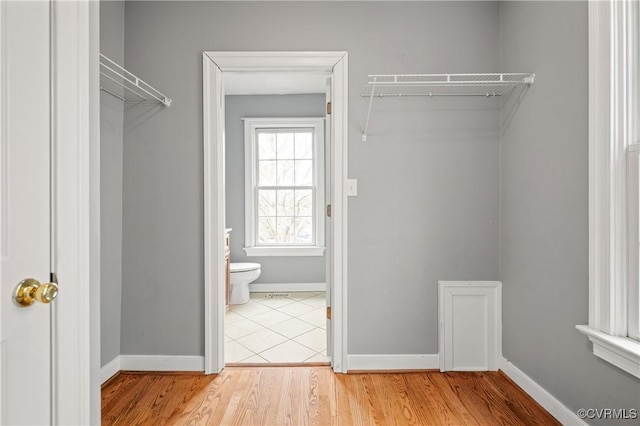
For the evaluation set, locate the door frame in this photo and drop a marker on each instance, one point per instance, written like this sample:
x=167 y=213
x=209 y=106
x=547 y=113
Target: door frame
x=214 y=66
x=75 y=153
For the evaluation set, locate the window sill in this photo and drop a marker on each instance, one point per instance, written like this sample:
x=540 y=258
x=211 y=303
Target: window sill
x=622 y=352
x=284 y=251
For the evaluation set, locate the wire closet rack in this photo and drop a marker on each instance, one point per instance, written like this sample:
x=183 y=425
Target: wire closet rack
x=433 y=85
x=126 y=86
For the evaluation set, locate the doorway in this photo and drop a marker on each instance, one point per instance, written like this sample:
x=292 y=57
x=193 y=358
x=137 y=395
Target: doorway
x=215 y=65
x=274 y=215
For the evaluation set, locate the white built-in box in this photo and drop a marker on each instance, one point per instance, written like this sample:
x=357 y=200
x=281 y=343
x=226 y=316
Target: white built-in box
x=470 y=325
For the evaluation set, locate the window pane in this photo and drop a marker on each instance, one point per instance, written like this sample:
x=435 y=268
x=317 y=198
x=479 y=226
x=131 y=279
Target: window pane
x=266 y=145
x=304 y=202
x=304 y=230
x=304 y=145
x=285 y=146
x=267 y=173
x=285 y=229
x=285 y=202
x=266 y=202
x=286 y=175
x=267 y=230
x=304 y=172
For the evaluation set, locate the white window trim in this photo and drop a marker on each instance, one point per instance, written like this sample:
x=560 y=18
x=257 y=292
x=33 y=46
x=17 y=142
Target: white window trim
x=610 y=110
x=633 y=170
x=250 y=126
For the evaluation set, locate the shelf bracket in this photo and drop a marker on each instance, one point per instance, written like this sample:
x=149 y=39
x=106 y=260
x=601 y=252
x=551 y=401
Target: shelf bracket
x=129 y=81
x=366 y=126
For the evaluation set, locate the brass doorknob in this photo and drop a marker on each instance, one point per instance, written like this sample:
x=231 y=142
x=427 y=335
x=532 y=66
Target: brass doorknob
x=30 y=291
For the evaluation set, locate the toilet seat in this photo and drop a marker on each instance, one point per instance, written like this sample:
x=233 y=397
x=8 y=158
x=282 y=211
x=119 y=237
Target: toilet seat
x=243 y=267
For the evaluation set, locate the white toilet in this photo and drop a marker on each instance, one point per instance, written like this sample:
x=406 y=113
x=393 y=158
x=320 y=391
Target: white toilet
x=241 y=275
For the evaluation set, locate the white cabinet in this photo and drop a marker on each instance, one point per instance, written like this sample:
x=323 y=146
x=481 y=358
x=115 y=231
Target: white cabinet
x=470 y=325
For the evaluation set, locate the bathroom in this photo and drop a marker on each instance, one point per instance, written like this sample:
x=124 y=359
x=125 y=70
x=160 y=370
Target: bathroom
x=278 y=316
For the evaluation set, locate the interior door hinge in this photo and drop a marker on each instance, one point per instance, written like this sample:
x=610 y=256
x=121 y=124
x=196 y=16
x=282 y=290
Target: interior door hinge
x=329 y=312
x=328 y=210
x=328 y=108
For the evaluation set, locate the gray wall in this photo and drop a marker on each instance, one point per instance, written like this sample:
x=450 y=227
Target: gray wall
x=274 y=269
x=428 y=176
x=433 y=179
x=111 y=127
x=544 y=210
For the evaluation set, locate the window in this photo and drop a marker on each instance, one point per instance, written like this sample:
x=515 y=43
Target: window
x=614 y=182
x=284 y=181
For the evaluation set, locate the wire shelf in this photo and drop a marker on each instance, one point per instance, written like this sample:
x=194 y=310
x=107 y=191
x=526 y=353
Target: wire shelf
x=433 y=85
x=126 y=86
x=488 y=85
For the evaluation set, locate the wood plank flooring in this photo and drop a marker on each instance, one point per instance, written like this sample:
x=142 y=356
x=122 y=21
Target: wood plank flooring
x=316 y=396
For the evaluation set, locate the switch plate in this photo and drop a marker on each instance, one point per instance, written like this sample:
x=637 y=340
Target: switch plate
x=352 y=187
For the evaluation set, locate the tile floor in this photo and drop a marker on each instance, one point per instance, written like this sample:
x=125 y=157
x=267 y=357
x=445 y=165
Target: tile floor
x=277 y=329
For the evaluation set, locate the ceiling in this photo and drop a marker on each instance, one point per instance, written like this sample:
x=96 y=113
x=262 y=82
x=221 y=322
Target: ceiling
x=274 y=83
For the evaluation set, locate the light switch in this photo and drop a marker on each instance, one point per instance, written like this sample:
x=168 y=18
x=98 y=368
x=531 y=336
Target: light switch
x=352 y=187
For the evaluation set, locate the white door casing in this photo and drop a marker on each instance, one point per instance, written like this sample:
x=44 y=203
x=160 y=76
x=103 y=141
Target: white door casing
x=214 y=222
x=55 y=45
x=214 y=66
x=25 y=362
x=76 y=225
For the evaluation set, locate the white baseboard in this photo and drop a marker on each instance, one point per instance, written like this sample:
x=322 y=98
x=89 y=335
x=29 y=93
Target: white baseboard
x=393 y=362
x=161 y=363
x=150 y=363
x=284 y=287
x=110 y=369
x=556 y=408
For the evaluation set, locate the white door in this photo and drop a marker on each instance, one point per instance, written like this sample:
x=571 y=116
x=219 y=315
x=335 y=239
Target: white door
x=328 y=174
x=25 y=339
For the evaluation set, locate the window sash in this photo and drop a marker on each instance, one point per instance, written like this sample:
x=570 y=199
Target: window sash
x=258 y=187
x=313 y=216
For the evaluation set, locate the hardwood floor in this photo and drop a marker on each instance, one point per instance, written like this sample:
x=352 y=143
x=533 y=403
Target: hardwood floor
x=316 y=396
